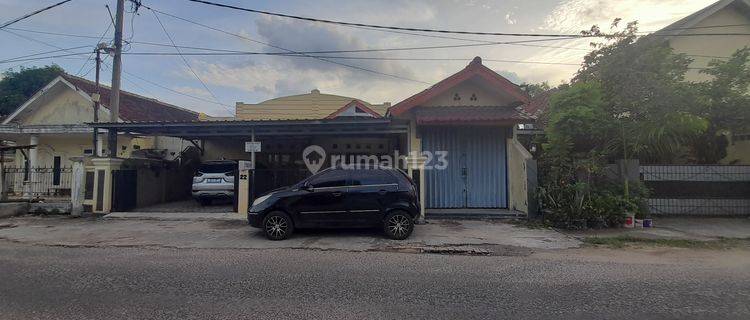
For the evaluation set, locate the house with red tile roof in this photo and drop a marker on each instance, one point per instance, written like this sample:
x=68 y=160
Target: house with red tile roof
x=56 y=118
x=457 y=139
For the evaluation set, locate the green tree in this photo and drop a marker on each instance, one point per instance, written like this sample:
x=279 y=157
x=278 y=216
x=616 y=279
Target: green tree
x=18 y=86
x=643 y=87
x=725 y=103
x=534 y=89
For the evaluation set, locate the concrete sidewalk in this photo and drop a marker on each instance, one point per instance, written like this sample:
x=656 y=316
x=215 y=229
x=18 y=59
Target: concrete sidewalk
x=178 y=216
x=702 y=229
x=469 y=237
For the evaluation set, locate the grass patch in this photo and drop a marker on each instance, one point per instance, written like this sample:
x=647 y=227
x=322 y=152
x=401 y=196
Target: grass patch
x=626 y=241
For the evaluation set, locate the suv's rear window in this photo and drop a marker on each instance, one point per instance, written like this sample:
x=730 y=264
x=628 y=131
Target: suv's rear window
x=217 y=167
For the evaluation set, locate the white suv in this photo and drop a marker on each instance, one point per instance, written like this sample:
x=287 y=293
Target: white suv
x=214 y=180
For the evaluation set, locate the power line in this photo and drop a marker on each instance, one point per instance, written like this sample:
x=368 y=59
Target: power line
x=45 y=52
x=172 y=90
x=288 y=50
x=45 y=57
x=183 y=57
x=44 y=43
x=109 y=26
x=33 y=13
x=54 y=33
x=344 y=23
x=482 y=33
x=334 y=57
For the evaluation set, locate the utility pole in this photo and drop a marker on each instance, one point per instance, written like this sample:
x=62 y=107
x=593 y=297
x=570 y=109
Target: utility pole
x=114 y=99
x=97 y=98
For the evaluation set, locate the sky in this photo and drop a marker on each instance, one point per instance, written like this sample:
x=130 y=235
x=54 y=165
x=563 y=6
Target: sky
x=213 y=84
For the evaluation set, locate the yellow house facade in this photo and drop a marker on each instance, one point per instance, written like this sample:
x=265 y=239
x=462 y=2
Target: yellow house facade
x=730 y=19
x=55 y=121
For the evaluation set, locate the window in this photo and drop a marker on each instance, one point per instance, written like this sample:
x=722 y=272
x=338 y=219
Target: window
x=88 y=152
x=56 y=170
x=328 y=179
x=370 y=177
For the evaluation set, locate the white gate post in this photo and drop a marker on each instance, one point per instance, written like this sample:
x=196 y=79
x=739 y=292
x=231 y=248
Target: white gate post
x=77 y=186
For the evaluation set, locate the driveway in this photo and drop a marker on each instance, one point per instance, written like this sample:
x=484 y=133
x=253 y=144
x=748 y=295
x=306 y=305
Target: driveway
x=464 y=237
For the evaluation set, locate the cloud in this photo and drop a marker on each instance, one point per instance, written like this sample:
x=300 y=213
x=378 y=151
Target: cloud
x=509 y=18
x=199 y=92
x=275 y=76
x=577 y=15
x=510 y=75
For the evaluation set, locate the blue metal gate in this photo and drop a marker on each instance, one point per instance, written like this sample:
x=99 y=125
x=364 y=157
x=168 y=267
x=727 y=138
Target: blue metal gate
x=475 y=176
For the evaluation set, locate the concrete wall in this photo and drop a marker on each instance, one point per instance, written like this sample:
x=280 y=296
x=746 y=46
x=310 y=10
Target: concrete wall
x=518 y=180
x=160 y=181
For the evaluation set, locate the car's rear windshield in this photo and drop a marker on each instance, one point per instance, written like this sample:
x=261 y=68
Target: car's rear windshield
x=216 y=167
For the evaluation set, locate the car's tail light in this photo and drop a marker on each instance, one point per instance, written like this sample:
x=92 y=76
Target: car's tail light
x=229 y=173
x=229 y=179
x=197 y=179
x=199 y=174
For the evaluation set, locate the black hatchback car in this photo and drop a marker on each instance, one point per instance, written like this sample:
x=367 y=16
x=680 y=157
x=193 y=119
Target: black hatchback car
x=338 y=197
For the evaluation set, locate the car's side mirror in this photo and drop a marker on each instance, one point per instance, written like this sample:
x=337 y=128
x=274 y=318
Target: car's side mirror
x=306 y=187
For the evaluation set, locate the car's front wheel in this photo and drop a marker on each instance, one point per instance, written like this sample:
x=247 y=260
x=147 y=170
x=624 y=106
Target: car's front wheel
x=398 y=225
x=277 y=225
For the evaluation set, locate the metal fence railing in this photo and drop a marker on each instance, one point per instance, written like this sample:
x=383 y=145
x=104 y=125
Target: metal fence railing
x=39 y=182
x=698 y=189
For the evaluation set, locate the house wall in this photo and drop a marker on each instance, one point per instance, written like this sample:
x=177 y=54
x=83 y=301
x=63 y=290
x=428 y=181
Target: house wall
x=518 y=187
x=65 y=107
x=465 y=91
x=722 y=46
x=221 y=149
x=73 y=145
x=313 y=105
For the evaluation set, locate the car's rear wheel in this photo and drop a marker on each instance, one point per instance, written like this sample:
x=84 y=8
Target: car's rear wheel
x=277 y=225
x=398 y=225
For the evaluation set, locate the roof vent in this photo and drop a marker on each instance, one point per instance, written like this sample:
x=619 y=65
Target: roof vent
x=315 y=91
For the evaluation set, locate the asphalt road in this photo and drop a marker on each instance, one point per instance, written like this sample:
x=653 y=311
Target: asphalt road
x=38 y=282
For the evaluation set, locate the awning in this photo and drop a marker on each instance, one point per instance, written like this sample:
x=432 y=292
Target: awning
x=236 y=128
x=471 y=115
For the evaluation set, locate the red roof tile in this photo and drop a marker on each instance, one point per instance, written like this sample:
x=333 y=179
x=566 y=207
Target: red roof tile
x=475 y=68
x=134 y=107
x=539 y=103
x=359 y=105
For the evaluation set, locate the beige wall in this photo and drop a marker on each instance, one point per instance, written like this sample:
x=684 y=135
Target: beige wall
x=465 y=90
x=722 y=46
x=314 y=105
x=65 y=107
x=738 y=152
x=517 y=179
x=73 y=145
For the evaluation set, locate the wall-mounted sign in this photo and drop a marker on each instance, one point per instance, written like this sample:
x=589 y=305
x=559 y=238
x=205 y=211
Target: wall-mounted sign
x=252 y=146
x=245 y=165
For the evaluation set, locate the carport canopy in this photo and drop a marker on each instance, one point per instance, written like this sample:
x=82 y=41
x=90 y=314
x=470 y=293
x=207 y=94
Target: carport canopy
x=192 y=130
